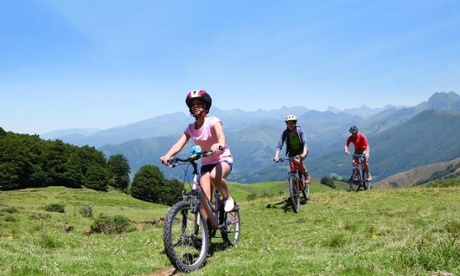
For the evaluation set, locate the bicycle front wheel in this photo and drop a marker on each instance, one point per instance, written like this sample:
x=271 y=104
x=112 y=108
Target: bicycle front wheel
x=186 y=237
x=306 y=192
x=359 y=179
x=294 y=191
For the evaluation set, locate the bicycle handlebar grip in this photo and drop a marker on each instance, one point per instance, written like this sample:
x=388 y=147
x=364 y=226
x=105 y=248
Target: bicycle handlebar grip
x=173 y=162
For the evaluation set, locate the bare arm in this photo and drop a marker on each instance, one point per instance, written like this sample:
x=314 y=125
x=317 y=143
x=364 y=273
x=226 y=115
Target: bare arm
x=219 y=129
x=177 y=147
x=345 y=148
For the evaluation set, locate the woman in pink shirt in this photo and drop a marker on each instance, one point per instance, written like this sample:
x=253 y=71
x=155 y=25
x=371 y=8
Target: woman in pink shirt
x=208 y=133
x=361 y=145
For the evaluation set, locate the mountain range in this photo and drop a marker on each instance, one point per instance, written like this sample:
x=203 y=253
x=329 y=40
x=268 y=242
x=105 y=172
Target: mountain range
x=401 y=138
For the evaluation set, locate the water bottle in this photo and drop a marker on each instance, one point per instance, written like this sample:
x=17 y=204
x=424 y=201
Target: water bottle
x=195 y=149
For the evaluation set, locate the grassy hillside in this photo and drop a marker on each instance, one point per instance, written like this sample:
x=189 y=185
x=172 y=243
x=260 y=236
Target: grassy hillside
x=412 y=231
x=418 y=174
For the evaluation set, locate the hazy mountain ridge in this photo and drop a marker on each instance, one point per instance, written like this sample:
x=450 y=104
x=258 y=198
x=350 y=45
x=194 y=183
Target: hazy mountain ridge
x=409 y=177
x=253 y=136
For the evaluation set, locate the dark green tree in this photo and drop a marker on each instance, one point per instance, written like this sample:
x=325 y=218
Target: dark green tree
x=18 y=159
x=119 y=170
x=90 y=156
x=73 y=174
x=175 y=192
x=57 y=166
x=150 y=185
x=97 y=178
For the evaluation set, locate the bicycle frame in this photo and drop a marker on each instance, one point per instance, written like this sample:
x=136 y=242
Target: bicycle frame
x=211 y=211
x=191 y=222
x=358 y=172
x=294 y=169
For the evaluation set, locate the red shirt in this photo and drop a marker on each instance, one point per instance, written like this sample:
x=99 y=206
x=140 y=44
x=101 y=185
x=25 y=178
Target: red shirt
x=360 y=142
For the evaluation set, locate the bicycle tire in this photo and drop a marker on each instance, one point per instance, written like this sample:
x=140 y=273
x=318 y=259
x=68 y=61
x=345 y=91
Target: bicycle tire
x=306 y=192
x=294 y=191
x=231 y=226
x=186 y=246
x=368 y=185
x=351 y=182
x=359 y=179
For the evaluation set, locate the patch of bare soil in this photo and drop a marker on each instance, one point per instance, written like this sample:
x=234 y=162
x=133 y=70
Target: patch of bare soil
x=168 y=271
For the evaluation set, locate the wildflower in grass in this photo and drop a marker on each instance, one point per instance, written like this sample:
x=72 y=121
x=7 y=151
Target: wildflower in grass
x=10 y=238
x=374 y=237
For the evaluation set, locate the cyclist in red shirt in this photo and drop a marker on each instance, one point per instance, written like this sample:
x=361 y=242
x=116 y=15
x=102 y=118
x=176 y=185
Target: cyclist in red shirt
x=361 y=145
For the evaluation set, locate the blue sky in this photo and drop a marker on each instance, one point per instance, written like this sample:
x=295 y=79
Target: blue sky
x=100 y=64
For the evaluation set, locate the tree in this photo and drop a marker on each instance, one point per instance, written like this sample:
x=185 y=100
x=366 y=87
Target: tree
x=175 y=190
x=150 y=185
x=119 y=170
x=97 y=178
x=19 y=159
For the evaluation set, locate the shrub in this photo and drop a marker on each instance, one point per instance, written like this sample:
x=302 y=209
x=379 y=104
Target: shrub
x=10 y=210
x=87 y=210
x=251 y=197
x=55 y=207
x=110 y=225
x=10 y=218
x=328 y=182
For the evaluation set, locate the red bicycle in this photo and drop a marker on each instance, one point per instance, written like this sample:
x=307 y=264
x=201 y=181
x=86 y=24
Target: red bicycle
x=296 y=183
x=357 y=174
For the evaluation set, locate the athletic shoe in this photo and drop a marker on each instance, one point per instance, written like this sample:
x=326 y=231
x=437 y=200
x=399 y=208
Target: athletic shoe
x=229 y=204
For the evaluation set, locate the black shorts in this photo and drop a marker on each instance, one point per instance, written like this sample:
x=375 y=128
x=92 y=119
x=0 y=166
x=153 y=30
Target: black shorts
x=293 y=153
x=363 y=151
x=208 y=168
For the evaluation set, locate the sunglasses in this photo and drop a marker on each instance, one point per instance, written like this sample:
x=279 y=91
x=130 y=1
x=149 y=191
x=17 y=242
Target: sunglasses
x=199 y=105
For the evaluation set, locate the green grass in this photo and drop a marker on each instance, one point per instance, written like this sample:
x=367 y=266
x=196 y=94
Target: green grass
x=412 y=231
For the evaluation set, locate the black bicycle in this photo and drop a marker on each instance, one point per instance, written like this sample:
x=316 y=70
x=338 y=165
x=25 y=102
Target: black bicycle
x=187 y=234
x=357 y=177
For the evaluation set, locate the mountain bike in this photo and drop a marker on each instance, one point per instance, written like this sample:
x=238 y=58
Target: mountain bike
x=296 y=184
x=357 y=174
x=187 y=234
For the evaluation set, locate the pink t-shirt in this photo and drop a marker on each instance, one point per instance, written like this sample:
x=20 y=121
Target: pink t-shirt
x=205 y=137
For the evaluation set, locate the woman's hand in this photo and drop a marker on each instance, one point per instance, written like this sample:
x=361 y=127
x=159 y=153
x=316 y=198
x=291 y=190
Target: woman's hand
x=165 y=160
x=216 y=147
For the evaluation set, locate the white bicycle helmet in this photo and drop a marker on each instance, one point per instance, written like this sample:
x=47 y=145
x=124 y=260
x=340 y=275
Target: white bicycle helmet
x=291 y=118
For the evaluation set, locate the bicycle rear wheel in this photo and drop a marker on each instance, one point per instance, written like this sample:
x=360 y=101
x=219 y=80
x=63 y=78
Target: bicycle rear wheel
x=294 y=191
x=231 y=226
x=368 y=185
x=186 y=242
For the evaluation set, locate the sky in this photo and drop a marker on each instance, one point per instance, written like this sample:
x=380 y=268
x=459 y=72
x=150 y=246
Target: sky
x=100 y=64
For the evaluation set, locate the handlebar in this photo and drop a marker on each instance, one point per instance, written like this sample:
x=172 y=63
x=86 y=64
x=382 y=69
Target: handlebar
x=192 y=157
x=288 y=158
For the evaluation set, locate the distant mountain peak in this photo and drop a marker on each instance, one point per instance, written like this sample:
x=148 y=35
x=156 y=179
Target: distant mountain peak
x=444 y=96
x=442 y=101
